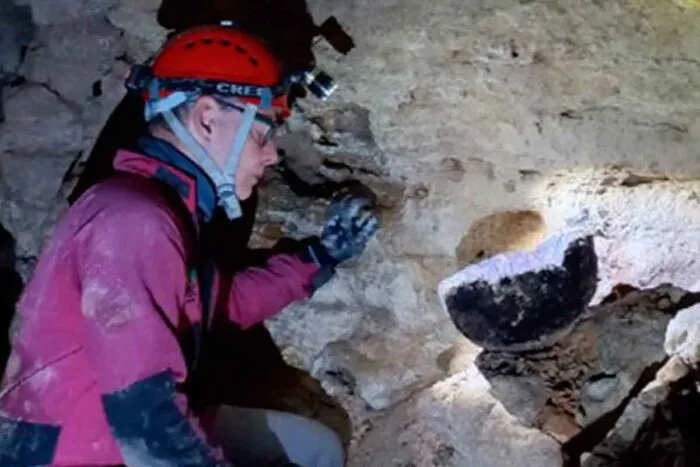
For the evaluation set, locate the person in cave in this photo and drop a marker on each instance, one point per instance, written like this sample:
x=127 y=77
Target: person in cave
x=244 y=360
x=109 y=330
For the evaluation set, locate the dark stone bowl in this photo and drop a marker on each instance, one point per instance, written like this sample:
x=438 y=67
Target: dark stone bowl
x=523 y=301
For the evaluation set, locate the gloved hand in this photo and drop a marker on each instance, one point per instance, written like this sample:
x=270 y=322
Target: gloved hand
x=351 y=223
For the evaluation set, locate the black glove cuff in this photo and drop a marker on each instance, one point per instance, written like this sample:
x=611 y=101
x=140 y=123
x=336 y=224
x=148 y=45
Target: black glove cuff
x=313 y=252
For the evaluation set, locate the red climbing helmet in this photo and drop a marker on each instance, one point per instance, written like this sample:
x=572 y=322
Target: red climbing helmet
x=216 y=60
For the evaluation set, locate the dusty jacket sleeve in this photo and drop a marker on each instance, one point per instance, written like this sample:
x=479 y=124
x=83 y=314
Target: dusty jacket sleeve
x=261 y=291
x=133 y=283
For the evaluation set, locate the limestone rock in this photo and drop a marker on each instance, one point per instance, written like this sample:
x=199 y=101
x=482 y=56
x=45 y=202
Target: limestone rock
x=28 y=128
x=30 y=224
x=70 y=57
x=142 y=33
x=362 y=366
x=353 y=344
x=45 y=12
x=25 y=175
x=588 y=373
x=371 y=309
x=630 y=339
x=683 y=336
x=523 y=301
x=532 y=62
x=16 y=32
x=40 y=140
x=480 y=108
x=459 y=356
x=37 y=151
x=638 y=230
x=516 y=93
x=658 y=427
x=107 y=93
x=454 y=423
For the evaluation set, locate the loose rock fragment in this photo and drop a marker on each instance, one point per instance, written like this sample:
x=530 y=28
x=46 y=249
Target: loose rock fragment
x=683 y=336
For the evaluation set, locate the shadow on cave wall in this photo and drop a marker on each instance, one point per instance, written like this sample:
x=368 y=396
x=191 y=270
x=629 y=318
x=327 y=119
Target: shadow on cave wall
x=11 y=288
x=247 y=365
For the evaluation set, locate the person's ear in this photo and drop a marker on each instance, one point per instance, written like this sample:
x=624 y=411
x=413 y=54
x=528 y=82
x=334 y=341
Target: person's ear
x=202 y=119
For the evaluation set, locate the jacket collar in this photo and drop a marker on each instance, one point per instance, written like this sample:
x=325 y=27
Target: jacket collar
x=162 y=161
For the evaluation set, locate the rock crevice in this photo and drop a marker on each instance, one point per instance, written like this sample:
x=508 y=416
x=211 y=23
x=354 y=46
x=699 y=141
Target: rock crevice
x=591 y=386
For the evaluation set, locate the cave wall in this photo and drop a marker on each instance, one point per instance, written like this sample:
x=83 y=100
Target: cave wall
x=584 y=113
x=483 y=126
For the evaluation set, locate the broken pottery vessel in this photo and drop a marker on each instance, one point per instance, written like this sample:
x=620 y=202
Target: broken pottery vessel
x=523 y=301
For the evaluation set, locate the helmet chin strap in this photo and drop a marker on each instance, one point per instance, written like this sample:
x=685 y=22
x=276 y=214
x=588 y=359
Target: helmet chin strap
x=224 y=180
x=246 y=123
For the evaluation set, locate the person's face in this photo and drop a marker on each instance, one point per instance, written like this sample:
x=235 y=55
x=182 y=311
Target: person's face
x=216 y=124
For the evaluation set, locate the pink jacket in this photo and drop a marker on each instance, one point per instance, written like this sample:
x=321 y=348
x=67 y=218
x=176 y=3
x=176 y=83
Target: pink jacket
x=97 y=364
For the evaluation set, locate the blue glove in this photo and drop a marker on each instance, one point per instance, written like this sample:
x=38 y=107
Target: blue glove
x=351 y=223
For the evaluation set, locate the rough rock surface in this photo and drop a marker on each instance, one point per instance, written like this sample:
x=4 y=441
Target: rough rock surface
x=370 y=307
x=453 y=423
x=529 y=90
x=630 y=339
x=558 y=107
x=69 y=82
x=45 y=12
x=658 y=427
x=137 y=20
x=17 y=31
x=683 y=336
x=584 y=113
x=89 y=51
x=590 y=372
